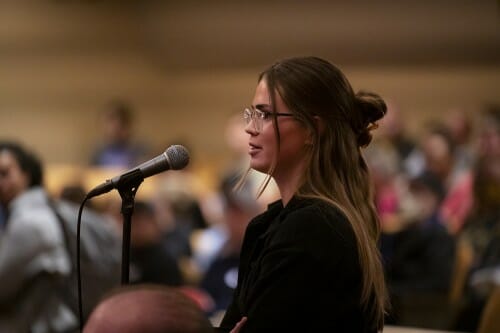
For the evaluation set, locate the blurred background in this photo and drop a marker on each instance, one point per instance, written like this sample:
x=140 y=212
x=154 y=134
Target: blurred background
x=186 y=66
x=181 y=71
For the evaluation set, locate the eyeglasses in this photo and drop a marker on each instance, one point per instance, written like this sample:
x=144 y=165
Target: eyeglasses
x=259 y=116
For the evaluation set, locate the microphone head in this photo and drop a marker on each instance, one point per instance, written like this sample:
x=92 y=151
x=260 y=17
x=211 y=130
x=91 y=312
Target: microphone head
x=178 y=157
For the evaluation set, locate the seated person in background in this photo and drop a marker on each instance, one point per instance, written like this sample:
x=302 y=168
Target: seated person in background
x=439 y=151
x=34 y=262
x=147 y=309
x=222 y=275
x=420 y=263
x=118 y=148
x=74 y=193
x=177 y=212
x=100 y=248
x=150 y=261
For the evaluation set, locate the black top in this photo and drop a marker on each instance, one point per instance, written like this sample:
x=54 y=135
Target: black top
x=299 y=271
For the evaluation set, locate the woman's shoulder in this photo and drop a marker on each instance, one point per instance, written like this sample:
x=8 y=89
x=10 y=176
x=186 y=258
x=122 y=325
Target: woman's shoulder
x=319 y=221
x=311 y=210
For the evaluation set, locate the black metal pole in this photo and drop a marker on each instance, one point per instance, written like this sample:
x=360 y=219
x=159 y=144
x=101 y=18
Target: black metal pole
x=129 y=184
x=127 y=227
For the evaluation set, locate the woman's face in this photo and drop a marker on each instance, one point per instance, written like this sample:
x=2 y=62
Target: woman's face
x=263 y=149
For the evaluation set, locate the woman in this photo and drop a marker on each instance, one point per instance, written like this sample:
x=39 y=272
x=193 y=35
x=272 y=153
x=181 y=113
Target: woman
x=310 y=263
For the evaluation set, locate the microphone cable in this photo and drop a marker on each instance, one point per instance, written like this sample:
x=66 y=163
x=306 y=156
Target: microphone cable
x=78 y=271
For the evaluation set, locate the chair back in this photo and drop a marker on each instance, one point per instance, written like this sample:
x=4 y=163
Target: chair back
x=490 y=318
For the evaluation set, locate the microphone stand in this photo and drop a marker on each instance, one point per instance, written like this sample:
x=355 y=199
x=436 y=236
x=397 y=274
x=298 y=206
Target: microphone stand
x=128 y=186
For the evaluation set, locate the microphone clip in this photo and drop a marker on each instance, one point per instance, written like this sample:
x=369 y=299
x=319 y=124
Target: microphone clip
x=128 y=185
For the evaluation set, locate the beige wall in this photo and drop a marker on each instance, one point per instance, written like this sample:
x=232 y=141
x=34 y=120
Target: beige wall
x=61 y=62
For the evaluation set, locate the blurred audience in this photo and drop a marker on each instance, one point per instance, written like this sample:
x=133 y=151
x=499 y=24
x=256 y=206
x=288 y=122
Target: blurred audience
x=118 y=147
x=460 y=126
x=423 y=195
x=389 y=185
x=434 y=191
x=150 y=260
x=419 y=264
x=439 y=152
x=175 y=219
x=74 y=193
x=394 y=138
x=240 y=206
x=100 y=254
x=482 y=229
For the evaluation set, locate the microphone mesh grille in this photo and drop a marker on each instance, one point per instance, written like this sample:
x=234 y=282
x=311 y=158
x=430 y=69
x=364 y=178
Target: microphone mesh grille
x=178 y=157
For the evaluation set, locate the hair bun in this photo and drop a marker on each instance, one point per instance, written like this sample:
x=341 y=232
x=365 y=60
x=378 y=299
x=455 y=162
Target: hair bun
x=371 y=109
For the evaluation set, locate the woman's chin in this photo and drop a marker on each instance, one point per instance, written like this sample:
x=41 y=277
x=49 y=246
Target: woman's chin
x=260 y=167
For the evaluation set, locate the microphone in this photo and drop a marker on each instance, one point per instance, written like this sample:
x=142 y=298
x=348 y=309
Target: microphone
x=176 y=157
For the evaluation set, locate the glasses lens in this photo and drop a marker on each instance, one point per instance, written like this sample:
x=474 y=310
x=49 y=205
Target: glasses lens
x=247 y=115
x=255 y=116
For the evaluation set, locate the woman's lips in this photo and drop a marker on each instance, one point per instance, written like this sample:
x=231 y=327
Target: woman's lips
x=253 y=149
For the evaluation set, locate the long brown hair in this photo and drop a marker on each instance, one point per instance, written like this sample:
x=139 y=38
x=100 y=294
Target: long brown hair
x=336 y=171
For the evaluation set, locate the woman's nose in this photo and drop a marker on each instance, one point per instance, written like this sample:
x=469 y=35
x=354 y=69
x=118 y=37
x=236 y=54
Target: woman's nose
x=251 y=127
